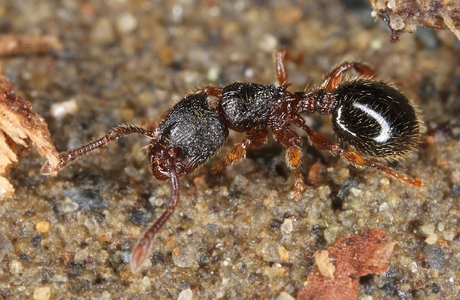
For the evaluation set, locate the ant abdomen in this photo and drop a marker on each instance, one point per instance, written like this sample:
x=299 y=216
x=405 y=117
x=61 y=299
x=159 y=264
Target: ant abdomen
x=375 y=119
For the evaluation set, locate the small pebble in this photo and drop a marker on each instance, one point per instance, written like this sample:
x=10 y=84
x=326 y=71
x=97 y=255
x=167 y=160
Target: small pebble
x=102 y=32
x=68 y=205
x=287 y=226
x=213 y=74
x=283 y=253
x=146 y=282
x=284 y=296
x=185 y=256
x=268 y=43
x=405 y=287
x=126 y=23
x=268 y=251
x=42 y=293
x=157 y=201
x=36 y=240
x=441 y=226
x=139 y=216
x=384 y=206
x=106 y=295
x=455 y=177
x=15 y=266
x=376 y=45
x=81 y=255
x=435 y=257
x=86 y=199
x=131 y=171
x=61 y=109
x=346 y=186
x=5 y=244
x=185 y=295
x=59 y=278
x=125 y=257
x=431 y=239
x=42 y=227
x=356 y=192
x=427 y=229
x=414 y=267
x=449 y=235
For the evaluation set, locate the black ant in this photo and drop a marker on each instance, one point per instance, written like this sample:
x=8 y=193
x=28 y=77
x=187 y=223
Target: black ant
x=369 y=116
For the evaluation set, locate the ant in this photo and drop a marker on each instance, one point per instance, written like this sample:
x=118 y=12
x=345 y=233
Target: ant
x=368 y=115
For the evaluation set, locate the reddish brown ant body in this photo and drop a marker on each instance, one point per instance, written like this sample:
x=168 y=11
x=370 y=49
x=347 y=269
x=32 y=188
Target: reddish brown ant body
x=368 y=115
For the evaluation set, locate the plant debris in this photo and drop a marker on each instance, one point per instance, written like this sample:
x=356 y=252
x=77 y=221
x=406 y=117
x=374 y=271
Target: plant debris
x=338 y=269
x=19 y=123
x=325 y=266
x=407 y=15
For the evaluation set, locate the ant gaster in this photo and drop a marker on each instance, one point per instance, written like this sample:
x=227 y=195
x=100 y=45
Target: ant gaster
x=370 y=116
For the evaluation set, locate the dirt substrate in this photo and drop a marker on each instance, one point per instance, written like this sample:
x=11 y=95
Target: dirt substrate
x=239 y=235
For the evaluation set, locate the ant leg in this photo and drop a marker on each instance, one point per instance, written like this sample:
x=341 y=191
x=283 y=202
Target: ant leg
x=280 y=67
x=291 y=141
x=321 y=143
x=113 y=135
x=142 y=248
x=239 y=151
x=280 y=57
x=333 y=78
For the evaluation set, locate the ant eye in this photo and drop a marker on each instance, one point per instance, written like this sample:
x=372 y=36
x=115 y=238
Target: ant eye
x=375 y=118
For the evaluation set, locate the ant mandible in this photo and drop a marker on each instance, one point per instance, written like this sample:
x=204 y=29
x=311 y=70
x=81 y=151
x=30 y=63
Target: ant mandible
x=368 y=115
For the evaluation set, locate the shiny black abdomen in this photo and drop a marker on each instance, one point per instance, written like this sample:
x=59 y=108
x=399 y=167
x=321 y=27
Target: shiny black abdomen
x=375 y=119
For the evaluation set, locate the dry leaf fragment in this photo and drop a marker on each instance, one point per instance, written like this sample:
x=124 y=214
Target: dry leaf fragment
x=17 y=125
x=353 y=257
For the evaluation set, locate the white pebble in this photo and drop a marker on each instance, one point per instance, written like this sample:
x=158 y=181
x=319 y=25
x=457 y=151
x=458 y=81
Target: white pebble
x=384 y=206
x=431 y=239
x=287 y=226
x=185 y=295
x=81 y=255
x=356 y=192
x=427 y=229
x=284 y=296
x=126 y=23
x=61 y=109
x=42 y=293
x=15 y=266
x=268 y=43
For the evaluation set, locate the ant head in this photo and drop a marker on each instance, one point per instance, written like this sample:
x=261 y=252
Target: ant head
x=375 y=119
x=191 y=133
